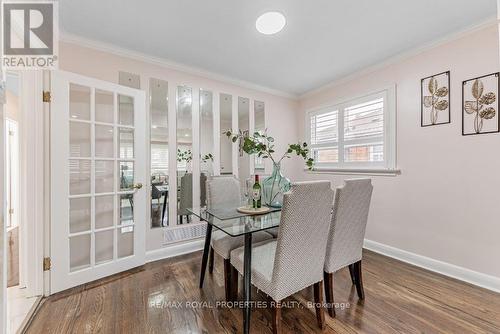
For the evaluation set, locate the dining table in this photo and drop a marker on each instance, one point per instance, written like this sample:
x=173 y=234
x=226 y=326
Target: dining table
x=230 y=221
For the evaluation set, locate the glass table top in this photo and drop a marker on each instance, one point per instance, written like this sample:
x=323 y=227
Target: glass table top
x=234 y=223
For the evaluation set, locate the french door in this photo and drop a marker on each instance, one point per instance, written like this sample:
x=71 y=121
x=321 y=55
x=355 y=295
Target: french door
x=98 y=166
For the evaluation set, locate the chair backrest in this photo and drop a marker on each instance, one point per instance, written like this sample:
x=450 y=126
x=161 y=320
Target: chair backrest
x=203 y=189
x=223 y=190
x=186 y=194
x=302 y=237
x=350 y=213
x=155 y=193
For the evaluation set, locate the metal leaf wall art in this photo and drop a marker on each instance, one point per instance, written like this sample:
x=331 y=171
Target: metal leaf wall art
x=480 y=105
x=435 y=99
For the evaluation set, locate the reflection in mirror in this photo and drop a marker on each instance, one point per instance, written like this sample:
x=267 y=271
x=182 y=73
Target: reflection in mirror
x=184 y=153
x=158 y=90
x=226 y=117
x=206 y=141
x=260 y=126
x=243 y=128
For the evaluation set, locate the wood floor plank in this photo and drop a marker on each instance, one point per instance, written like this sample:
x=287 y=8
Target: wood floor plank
x=163 y=297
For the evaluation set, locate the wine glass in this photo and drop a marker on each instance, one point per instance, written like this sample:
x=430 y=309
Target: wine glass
x=248 y=189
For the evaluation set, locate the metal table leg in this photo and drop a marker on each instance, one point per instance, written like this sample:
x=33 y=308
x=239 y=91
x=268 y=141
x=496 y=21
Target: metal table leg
x=206 y=250
x=247 y=272
x=165 y=195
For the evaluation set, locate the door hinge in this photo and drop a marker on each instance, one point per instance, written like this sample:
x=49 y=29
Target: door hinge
x=11 y=133
x=46 y=263
x=46 y=96
x=11 y=211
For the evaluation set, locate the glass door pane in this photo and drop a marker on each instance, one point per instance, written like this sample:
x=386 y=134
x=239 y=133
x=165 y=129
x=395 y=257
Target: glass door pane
x=101 y=169
x=226 y=123
x=260 y=126
x=206 y=141
x=158 y=90
x=243 y=128
x=184 y=153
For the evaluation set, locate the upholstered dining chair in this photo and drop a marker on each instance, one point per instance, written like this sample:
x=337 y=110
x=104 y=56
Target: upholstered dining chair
x=347 y=232
x=186 y=194
x=225 y=191
x=295 y=260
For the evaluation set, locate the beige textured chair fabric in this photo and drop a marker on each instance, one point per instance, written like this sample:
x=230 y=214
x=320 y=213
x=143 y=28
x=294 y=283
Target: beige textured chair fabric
x=225 y=190
x=347 y=231
x=186 y=193
x=295 y=260
x=223 y=244
x=273 y=231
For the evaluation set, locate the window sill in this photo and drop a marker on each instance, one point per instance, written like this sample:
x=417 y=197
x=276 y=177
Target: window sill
x=354 y=171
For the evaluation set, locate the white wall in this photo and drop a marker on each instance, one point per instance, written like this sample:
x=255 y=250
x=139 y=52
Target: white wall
x=103 y=65
x=446 y=203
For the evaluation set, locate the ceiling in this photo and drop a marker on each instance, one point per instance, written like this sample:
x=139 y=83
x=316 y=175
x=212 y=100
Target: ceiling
x=323 y=40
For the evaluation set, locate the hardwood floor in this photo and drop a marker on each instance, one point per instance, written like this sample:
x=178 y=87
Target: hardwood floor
x=399 y=298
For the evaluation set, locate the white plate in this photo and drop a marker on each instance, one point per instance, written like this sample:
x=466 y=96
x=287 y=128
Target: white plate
x=251 y=211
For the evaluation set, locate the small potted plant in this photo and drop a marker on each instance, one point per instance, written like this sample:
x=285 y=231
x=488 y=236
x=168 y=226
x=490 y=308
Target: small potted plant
x=262 y=145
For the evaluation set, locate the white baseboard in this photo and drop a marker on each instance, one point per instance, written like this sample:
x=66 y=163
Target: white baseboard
x=175 y=250
x=473 y=277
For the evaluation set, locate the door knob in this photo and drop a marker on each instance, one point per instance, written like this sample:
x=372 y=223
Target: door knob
x=137 y=186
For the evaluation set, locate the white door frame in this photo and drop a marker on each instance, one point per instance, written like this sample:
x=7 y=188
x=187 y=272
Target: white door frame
x=32 y=187
x=32 y=166
x=3 y=232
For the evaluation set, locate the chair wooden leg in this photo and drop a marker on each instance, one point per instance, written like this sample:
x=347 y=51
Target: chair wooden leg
x=234 y=283
x=211 y=261
x=328 y=279
x=351 y=272
x=227 y=278
x=359 y=280
x=276 y=315
x=318 y=302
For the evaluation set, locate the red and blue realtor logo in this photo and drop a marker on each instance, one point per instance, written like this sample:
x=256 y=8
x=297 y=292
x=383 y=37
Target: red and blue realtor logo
x=30 y=35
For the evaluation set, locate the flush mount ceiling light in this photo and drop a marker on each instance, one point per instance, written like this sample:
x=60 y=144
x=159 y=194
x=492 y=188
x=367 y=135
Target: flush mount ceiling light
x=270 y=23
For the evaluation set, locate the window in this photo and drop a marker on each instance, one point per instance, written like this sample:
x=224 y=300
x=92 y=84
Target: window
x=356 y=134
x=159 y=160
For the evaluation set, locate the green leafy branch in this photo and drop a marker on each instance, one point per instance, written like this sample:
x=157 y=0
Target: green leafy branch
x=263 y=146
x=186 y=155
x=207 y=157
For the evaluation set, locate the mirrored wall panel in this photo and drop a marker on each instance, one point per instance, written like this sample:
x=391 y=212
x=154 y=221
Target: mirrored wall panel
x=226 y=119
x=206 y=141
x=260 y=126
x=184 y=153
x=243 y=128
x=158 y=98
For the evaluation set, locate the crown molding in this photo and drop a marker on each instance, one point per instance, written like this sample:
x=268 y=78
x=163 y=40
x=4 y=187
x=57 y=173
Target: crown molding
x=70 y=38
x=404 y=56
x=163 y=62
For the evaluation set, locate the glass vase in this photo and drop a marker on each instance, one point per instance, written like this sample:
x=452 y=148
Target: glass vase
x=273 y=188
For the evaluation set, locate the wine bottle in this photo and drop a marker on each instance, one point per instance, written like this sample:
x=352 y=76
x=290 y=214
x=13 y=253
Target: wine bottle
x=256 y=194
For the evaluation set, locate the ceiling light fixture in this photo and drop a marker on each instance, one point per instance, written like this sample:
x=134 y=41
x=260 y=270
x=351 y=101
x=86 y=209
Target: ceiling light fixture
x=270 y=23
